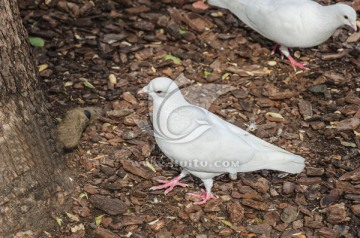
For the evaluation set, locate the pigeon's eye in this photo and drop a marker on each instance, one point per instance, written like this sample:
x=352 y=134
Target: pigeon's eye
x=346 y=17
x=158 y=91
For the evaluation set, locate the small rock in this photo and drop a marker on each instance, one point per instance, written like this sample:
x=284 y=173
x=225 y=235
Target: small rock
x=260 y=229
x=353 y=37
x=119 y=112
x=289 y=214
x=326 y=232
x=356 y=209
x=312 y=171
x=348 y=124
x=333 y=196
x=236 y=211
x=213 y=205
x=132 y=220
x=309 y=181
x=226 y=232
x=288 y=187
x=336 y=213
x=260 y=184
x=346 y=187
x=177 y=229
x=129 y=135
x=195 y=217
x=137 y=169
x=305 y=108
x=298 y=224
x=201 y=236
x=122 y=154
x=309 y=222
x=158 y=225
x=111 y=206
x=320 y=88
x=255 y=204
x=317 y=125
x=353 y=175
x=103 y=233
x=271 y=218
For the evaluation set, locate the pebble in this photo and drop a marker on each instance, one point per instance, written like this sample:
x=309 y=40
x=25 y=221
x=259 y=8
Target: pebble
x=353 y=175
x=336 y=213
x=111 y=206
x=255 y=204
x=312 y=171
x=104 y=233
x=260 y=184
x=356 y=209
x=260 y=229
x=236 y=211
x=136 y=169
x=288 y=187
x=289 y=214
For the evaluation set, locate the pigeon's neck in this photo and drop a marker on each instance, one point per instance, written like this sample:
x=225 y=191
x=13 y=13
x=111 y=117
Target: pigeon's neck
x=330 y=15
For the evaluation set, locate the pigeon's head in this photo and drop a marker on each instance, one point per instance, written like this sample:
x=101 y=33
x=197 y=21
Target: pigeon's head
x=160 y=87
x=346 y=15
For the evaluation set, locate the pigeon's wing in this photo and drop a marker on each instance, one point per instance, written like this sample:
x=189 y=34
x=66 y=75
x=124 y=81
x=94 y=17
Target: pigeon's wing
x=281 y=21
x=263 y=154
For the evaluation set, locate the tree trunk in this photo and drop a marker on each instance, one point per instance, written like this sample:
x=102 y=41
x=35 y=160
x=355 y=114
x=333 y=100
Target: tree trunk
x=33 y=175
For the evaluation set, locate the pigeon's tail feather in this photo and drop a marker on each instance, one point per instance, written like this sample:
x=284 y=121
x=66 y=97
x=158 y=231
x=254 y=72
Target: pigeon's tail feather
x=280 y=161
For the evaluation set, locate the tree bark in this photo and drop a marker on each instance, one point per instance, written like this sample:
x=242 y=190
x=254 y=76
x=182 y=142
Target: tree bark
x=34 y=179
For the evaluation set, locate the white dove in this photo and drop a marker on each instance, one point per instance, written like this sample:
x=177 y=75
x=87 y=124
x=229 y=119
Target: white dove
x=205 y=145
x=291 y=23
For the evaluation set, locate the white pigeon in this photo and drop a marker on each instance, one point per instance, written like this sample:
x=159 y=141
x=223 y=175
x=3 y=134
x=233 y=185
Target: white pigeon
x=291 y=23
x=205 y=145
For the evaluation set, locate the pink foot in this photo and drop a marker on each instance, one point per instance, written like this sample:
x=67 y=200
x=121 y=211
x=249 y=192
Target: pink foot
x=169 y=184
x=200 y=5
x=296 y=64
x=205 y=196
x=276 y=47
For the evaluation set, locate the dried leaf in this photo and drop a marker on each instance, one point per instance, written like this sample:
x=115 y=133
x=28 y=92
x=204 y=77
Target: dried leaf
x=37 y=41
x=175 y=59
x=77 y=228
x=98 y=219
x=72 y=217
x=89 y=85
x=274 y=114
x=83 y=195
x=150 y=166
x=58 y=220
x=227 y=223
x=112 y=78
x=225 y=76
x=348 y=144
x=206 y=73
x=42 y=67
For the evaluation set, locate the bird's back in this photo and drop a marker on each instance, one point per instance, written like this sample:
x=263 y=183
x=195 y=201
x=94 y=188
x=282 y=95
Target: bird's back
x=292 y=23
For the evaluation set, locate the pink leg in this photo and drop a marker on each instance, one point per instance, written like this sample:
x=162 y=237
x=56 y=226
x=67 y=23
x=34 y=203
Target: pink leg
x=296 y=64
x=200 y=5
x=276 y=47
x=170 y=184
x=205 y=196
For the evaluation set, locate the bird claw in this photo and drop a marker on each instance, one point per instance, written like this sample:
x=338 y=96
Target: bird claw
x=169 y=184
x=205 y=196
x=200 y=5
x=296 y=64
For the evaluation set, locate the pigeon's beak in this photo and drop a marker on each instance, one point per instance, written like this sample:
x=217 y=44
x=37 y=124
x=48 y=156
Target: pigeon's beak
x=353 y=26
x=143 y=91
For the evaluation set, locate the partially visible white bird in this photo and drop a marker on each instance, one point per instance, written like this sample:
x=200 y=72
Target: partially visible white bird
x=291 y=23
x=205 y=145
